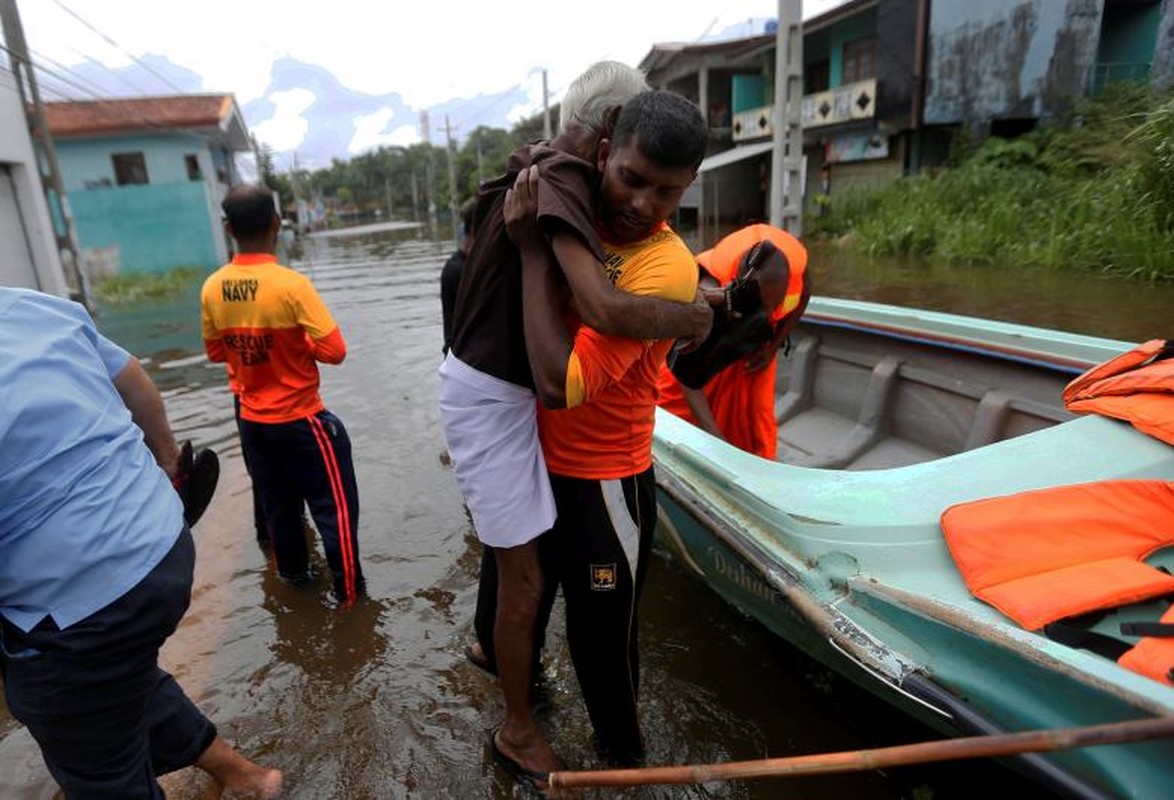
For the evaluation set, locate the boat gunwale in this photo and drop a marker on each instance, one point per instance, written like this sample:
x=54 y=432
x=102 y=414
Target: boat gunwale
x=1042 y=347
x=913 y=681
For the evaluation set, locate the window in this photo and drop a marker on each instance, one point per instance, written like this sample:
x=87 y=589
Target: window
x=193 y=167
x=817 y=76
x=129 y=168
x=859 y=60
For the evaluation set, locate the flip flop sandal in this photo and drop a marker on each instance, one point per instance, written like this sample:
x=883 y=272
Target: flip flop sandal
x=531 y=778
x=478 y=660
x=196 y=482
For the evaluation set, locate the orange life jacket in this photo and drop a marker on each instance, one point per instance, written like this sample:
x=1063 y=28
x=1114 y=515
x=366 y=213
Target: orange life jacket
x=1153 y=656
x=1136 y=386
x=1048 y=554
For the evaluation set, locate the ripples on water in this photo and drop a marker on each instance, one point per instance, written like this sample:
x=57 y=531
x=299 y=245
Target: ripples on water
x=378 y=702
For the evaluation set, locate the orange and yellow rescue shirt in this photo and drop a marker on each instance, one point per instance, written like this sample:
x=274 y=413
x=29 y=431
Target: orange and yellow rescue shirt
x=606 y=430
x=742 y=402
x=268 y=324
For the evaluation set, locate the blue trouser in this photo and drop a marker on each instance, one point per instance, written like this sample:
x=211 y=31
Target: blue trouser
x=106 y=717
x=598 y=553
x=308 y=460
x=259 y=526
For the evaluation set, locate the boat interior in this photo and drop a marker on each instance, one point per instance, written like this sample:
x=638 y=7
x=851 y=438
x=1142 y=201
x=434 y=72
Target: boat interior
x=857 y=400
x=852 y=397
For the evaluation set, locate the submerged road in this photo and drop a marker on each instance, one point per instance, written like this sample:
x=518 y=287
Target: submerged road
x=378 y=701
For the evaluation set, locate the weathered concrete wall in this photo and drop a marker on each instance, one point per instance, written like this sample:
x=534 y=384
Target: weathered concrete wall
x=1162 y=69
x=896 y=47
x=1008 y=59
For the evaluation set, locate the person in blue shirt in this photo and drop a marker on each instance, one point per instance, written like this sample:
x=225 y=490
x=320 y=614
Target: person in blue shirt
x=95 y=563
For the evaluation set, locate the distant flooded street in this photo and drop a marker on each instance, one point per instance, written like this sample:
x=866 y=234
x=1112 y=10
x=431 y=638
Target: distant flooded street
x=378 y=701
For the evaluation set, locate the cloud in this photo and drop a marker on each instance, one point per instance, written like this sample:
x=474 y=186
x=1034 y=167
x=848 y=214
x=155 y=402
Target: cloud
x=287 y=128
x=371 y=131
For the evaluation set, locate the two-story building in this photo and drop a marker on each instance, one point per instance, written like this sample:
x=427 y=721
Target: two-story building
x=145 y=177
x=888 y=83
x=28 y=249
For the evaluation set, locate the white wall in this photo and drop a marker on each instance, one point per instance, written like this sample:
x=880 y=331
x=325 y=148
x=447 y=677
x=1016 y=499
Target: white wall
x=35 y=263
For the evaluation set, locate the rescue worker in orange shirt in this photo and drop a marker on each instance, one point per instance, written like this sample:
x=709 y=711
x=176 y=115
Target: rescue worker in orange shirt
x=271 y=327
x=758 y=282
x=598 y=396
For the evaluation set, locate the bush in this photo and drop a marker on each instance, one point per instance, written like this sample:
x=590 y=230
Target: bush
x=1098 y=195
x=130 y=286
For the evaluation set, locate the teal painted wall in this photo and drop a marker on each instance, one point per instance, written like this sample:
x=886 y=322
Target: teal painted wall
x=1128 y=33
x=86 y=161
x=748 y=91
x=156 y=228
x=855 y=27
x=165 y=223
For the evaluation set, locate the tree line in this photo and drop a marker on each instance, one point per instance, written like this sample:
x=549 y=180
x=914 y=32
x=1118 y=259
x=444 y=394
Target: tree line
x=399 y=180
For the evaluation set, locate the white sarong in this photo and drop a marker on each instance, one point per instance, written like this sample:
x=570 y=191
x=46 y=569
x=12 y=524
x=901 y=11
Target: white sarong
x=491 y=431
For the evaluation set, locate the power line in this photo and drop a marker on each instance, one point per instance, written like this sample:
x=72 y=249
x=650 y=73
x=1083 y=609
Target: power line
x=89 y=96
x=49 y=89
x=46 y=71
x=117 y=46
x=66 y=70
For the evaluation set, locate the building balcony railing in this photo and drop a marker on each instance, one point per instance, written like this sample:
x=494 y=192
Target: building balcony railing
x=847 y=103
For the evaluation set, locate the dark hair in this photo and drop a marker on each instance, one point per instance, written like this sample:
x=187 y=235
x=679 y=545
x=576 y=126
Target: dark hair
x=668 y=129
x=249 y=210
x=469 y=215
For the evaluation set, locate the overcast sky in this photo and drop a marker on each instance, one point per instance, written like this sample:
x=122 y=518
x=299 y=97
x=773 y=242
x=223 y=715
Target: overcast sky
x=427 y=51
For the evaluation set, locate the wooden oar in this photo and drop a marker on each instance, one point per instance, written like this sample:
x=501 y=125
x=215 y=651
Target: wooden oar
x=1006 y=744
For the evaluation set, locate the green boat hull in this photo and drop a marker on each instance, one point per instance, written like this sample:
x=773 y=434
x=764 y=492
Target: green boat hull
x=850 y=566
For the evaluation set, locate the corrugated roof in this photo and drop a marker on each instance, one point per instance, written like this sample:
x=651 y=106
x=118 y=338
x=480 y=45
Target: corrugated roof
x=719 y=160
x=121 y=115
x=667 y=52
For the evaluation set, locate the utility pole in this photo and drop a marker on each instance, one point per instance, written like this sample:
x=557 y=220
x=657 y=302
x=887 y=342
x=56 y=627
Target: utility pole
x=547 y=133
x=387 y=191
x=50 y=173
x=301 y=207
x=786 y=182
x=415 y=198
x=426 y=134
x=453 y=205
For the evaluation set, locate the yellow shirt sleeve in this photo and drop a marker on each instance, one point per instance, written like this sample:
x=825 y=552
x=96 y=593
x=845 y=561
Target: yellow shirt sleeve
x=662 y=267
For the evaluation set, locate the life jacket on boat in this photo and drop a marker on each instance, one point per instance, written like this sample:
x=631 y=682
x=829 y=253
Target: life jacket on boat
x=1049 y=554
x=1153 y=656
x=1136 y=386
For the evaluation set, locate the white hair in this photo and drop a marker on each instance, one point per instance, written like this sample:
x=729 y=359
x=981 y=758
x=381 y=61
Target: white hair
x=604 y=85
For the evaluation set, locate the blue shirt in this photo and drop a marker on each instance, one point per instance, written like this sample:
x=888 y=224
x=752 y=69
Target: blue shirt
x=85 y=512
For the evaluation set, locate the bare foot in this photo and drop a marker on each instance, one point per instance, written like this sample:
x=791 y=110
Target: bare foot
x=239 y=778
x=266 y=785
x=526 y=754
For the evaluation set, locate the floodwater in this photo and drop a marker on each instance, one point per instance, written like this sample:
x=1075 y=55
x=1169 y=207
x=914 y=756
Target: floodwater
x=378 y=701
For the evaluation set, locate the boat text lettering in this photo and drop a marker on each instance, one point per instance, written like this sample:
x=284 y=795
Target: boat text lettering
x=743 y=578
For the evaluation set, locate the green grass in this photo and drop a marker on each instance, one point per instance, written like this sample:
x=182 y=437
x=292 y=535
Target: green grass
x=132 y=286
x=1093 y=193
